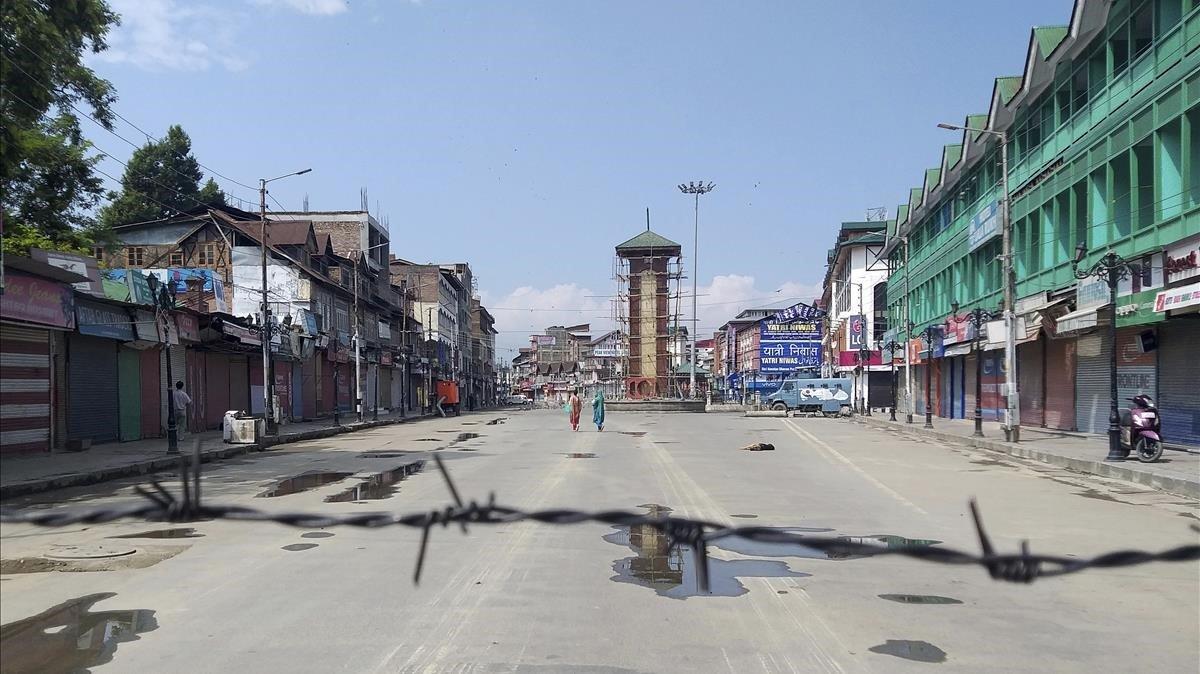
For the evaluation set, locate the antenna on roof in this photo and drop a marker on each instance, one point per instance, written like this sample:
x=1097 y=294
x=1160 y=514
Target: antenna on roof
x=305 y=207
x=362 y=198
x=878 y=213
x=647 y=218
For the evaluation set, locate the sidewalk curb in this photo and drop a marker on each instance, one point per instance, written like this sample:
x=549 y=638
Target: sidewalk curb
x=168 y=462
x=1173 y=485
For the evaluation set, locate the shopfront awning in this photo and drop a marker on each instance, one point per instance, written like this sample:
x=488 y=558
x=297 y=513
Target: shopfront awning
x=957 y=350
x=1080 y=321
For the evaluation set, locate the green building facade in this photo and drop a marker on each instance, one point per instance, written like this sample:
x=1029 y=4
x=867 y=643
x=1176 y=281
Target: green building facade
x=1103 y=133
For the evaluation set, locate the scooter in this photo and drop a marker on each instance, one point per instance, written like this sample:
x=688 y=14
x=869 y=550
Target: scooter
x=1141 y=429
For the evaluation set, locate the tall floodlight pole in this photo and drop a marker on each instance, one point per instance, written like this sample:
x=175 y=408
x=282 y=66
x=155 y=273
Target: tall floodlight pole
x=1012 y=404
x=695 y=189
x=268 y=388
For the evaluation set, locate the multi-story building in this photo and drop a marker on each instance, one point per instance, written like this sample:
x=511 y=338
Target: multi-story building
x=1103 y=147
x=603 y=363
x=435 y=294
x=855 y=289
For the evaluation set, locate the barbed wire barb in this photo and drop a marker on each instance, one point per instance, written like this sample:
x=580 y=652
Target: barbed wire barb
x=160 y=504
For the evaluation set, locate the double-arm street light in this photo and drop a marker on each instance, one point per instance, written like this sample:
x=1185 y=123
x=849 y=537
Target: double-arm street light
x=1111 y=269
x=268 y=379
x=977 y=317
x=892 y=347
x=1011 y=401
x=696 y=189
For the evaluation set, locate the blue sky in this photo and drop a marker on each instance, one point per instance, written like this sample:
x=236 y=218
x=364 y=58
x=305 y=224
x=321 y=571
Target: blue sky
x=528 y=138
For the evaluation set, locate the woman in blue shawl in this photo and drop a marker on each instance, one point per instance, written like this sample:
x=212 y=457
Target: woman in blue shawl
x=598 y=410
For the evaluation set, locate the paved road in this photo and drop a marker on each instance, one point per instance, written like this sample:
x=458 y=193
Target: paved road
x=530 y=598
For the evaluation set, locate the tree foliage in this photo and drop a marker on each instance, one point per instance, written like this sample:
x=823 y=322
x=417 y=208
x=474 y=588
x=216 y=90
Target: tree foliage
x=47 y=173
x=161 y=178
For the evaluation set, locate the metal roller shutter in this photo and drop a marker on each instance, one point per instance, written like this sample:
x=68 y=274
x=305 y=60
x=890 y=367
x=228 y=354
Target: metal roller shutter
x=24 y=390
x=93 y=389
x=1092 y=397
x=239 y=383
x=129 y=365
x=1060 y=384
x=384 y=387
x=1029 y=382
x=178 y=373
x=969 y=364
x=216 y=389
x=1178 y=372
x=151 y=378
x=297 y=391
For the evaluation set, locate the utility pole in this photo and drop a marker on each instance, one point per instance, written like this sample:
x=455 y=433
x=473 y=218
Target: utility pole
x=908 y=392
x=429 y=368
x=1012 y=404
x=695 y=189
x=358 y=392
x=862 y=352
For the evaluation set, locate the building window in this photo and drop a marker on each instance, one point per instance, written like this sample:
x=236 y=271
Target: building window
x=175 y=260
x=206 y=256
x=98 y=252
x=135 y=256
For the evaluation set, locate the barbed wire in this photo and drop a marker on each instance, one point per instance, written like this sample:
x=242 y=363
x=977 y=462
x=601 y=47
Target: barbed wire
x=162 y=505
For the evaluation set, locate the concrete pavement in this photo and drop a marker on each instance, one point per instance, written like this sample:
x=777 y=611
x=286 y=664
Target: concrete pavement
x=1177 y=471
x=527 y=597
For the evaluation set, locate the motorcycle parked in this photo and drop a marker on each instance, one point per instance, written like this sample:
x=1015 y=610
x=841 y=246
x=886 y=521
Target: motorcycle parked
x=1141 y=429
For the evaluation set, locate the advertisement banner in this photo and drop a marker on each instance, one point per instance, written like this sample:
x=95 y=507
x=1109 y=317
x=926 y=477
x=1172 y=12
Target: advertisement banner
x=1177 y=298
x=800 y=311
x=103 y=321
x=787 y=347
x=34 y=300
x=543 y=340
x=984 y=227
x=858 y=332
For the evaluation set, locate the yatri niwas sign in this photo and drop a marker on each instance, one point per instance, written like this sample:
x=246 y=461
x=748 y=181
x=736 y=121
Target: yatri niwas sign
x=792 y=344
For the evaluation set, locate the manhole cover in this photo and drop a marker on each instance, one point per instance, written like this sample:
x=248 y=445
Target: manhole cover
x=91 y=551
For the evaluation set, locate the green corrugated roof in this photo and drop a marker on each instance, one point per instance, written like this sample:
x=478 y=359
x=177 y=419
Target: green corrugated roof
x=686 y=368
x=859 y=225
x=647 y=239
x=953 y=154
x=873 y=237
x=978 y=121
x=932 y=176
x=1048 y=38
x=1008 y=87
x=891 y=228
x=914 y=196
x=902 y=213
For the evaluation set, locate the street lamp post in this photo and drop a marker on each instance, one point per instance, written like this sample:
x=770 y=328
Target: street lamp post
x=695 y=189
x=1110 y=268
x=164 y=301
x=1012 y=428
x=977 y=317
x=892 y=347
x=927 y=335
x=268 y=380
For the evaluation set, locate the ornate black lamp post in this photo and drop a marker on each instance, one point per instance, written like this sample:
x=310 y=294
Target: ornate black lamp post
x=928 y=335
x=164 y=301
x=977 y=317
x=1111 y=269
x=892 y=347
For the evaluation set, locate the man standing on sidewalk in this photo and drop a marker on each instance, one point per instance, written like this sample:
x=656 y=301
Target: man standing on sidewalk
x=180 y=399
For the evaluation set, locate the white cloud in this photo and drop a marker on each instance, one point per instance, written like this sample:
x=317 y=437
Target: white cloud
x=728 y=294
x=161 y=35
x=313 y=7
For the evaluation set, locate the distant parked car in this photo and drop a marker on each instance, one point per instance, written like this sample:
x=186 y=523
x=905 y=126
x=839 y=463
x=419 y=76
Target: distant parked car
x=520 y=401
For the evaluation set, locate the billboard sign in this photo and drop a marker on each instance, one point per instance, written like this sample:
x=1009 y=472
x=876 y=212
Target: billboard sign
x=984 y=227
x=789 y=346
x=858 y=332
x=799 y=311
x=543 y=340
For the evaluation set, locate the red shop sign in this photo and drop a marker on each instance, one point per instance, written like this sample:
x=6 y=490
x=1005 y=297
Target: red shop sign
x=188 y=326
x=35 y=300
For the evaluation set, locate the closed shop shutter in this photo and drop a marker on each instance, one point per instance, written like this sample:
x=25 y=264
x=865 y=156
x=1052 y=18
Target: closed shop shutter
x=93 y=389
x=297 y=391
x=398 y=388
x=129 y=379
x=255 y=373
x=918 y=388
x=969 y=378
x=384 y=387
x=1029 y=382
x=1137 y=372
x=1092 y=398
x=283 y=388
x=309 y=387
x=178 y=373
x=152 y=423
x=239 y=383
x=1178 y=374
x=216 y=389
x=24 y=390
x=879 y=389
x=370 y=380
x=1060 y=384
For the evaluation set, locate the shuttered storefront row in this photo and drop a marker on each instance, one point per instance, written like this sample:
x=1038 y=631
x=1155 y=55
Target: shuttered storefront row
x=92 y=382
x=24 y=390
x=1179 y=381
x=129 y=374
x=1060 y=384
x=1091 y=382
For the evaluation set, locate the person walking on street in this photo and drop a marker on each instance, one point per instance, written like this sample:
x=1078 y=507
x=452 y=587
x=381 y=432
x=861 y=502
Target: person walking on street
x=575 y=408
x=180 y=399
x=598 y=410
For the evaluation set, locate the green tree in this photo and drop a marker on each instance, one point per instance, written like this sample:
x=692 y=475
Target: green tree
x=47 y=172
x=161 y=178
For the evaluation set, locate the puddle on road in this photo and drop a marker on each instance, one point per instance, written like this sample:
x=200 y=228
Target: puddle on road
x=671 y=572
x=636 y=434
x=921 y=651
x=69 y=637
x=302 y=482
x=378 y=486
x=745 y=517
x=297 y=547
x=381 y=455
x=579 y=455
x=429 y=439
x=179 y=532
x=463 y=437
x=919 y=599
x=499 y=420
x=751 y=548
x=316 y=534
x=891 y=541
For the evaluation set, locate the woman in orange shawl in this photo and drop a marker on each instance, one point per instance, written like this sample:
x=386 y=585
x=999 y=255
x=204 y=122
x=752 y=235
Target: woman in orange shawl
x=575 y=406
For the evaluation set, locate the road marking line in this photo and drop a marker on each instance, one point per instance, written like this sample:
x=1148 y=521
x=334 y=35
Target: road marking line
x=822 y=446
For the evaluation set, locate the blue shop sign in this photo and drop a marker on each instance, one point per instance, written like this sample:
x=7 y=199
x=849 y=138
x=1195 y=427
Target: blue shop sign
x=984 y=227
x=100 y=320
x=785 y=347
